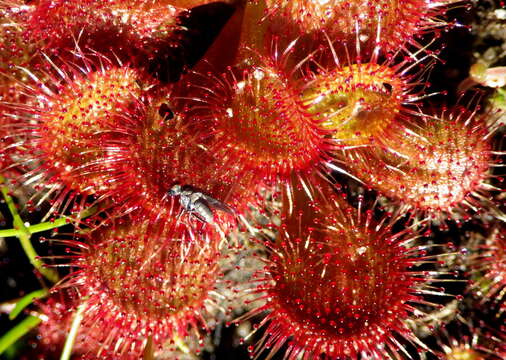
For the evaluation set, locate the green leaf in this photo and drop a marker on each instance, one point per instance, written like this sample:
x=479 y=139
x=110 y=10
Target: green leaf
x=74 y=328
x=50 y=225
x=9 y=233
x=24 y=236
x=27 y=300
x=64 y=220
x=17 y=332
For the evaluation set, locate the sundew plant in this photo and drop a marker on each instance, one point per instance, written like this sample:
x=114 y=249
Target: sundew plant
x=252 y=179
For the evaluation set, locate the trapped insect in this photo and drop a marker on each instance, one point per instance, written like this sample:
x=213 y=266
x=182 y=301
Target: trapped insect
x=197 y=203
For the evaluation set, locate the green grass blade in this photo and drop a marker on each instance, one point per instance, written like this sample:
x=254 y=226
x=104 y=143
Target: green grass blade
x=8 y=233
x=24 y=237
x=17 y=332
x=64 y=220
x=27 y=300
x=74 y=328
x=49 y=225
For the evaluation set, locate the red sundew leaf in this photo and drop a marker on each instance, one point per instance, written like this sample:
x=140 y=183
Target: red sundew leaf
x=260 y=130
x=63 y=127
x=439 y=167
x=361 y=103
x=106 y=27
x=339 y=283
x=384 y=23
x=143 y=281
